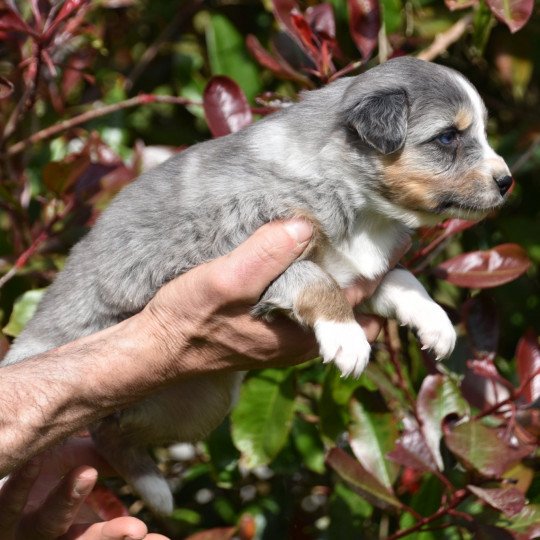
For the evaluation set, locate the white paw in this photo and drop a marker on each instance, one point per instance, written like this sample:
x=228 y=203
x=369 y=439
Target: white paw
x=434 y=329
x=345 y=344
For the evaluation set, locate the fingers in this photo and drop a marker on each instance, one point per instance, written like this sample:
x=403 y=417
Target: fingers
x=56 y=514
x=247 y=271
x=122 y=528
x=74 y=452
x=14 y=495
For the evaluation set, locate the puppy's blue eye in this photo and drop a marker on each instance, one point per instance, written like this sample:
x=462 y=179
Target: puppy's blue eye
x=448 y=137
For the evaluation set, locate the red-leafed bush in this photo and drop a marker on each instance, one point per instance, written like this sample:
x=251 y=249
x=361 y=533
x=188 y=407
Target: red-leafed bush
x=92 y=93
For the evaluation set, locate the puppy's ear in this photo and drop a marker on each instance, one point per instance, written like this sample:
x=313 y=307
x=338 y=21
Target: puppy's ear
x=381 y=120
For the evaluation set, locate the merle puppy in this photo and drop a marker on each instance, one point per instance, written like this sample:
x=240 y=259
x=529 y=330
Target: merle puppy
x=368 y=158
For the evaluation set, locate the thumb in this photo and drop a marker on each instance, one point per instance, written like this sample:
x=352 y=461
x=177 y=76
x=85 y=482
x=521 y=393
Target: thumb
x=248 y=270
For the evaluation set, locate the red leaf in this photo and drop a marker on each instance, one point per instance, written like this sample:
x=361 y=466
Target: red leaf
x=528 y=365
x=69 y=7
x=282 y=11
x=278 y=66
x=106 y=504
x=12 y=22
x=438 y=397
x=412 y=450
x=482 y=448
x=6 y=88
x=306 y=36
x=508 y=500
x=225 y=106
x=219 y=533
x=482 y=324
x=484 y=269
x=359 y=478
x=513 y=13
x=322 y=21
x=364 y=24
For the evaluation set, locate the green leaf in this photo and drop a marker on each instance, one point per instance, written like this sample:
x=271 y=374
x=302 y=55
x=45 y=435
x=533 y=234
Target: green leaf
x=392 y=15
x=361 y=480
x=438 y=397
x=508 y=500
x=482 y=448
x=228 y=55
x=308 y=443
x=527 y=521
x=348 y=512
x=262 y=419
x=23 y=310
x=336 y=394
x=371 y=437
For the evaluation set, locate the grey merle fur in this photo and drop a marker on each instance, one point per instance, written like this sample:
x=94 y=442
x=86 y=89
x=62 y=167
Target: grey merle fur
x=321 y=155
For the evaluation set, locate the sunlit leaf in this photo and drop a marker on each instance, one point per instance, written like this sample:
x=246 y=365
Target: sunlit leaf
x=509 y=500
x=365 y=483
x=513 y=13
x=321 y=19
x=364 y=24
x=528 y=365
x=371 y=437
x=225 y=106
x=438 y=397
x=411 y=449
x=526 y=522
x=482 y=448
x=262 y=419
x=484 y=269
x=23 y=310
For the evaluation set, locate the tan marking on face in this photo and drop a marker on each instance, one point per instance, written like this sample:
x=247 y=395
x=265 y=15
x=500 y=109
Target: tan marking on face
x=463 y=119
x=405 y=184
x=323 y=301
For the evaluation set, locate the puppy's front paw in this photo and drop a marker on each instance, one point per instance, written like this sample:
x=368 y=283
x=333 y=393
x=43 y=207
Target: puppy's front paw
x=345 y=344
x=435 y=330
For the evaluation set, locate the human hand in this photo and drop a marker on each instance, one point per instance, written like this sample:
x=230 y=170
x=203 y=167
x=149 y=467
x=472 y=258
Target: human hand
x=209 y=307
x=45 y=499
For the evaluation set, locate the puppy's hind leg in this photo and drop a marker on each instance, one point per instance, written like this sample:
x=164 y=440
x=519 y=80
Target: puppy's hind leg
x=312 y=297
x=133 y=463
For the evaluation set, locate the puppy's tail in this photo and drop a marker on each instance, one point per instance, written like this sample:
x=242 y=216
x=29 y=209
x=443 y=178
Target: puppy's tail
x=135 y=465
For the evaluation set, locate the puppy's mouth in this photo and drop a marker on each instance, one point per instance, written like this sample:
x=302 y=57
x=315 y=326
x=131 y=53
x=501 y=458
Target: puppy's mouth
x=458 y=208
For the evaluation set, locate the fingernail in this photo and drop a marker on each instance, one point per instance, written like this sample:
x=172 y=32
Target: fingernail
x=299 y=229
x=84 y=483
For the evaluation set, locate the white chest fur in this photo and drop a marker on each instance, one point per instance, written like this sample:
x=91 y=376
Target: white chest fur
x=366 y=252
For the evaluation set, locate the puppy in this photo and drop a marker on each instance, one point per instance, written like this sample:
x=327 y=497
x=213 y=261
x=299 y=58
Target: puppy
x=369 y=157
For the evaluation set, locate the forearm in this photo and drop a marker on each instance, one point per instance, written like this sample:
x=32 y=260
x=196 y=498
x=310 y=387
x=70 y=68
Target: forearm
x=51 y=395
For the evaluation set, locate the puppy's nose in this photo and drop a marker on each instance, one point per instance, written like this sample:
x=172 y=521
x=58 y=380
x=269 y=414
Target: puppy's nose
x=503 y=183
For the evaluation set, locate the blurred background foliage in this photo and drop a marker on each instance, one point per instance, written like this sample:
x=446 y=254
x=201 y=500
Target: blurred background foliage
x=94 y=92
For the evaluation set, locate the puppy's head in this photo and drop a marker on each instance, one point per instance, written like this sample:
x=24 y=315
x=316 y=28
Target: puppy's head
x=425 y=127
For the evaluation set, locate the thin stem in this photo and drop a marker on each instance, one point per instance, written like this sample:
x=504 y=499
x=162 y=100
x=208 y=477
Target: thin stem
x=458 y=498
x=43 y=235
x=443 y=41
x=56 y=129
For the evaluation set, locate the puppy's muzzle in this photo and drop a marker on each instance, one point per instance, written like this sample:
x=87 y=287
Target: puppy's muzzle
x=503 y=183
